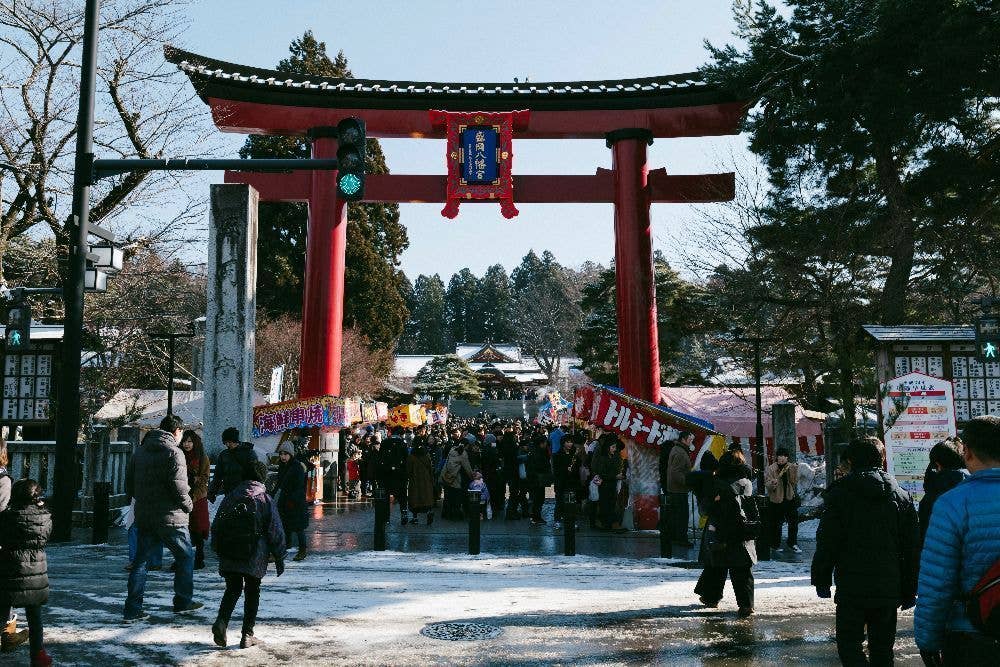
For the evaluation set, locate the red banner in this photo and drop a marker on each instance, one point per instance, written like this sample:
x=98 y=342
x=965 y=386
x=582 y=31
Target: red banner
x=636 y=420
x=497 y=130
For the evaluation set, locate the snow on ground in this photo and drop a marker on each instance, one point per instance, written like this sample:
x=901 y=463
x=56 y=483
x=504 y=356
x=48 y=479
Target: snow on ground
x=368 y=608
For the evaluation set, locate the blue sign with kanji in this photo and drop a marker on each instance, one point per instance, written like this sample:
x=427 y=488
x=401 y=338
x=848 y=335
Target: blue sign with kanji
x=480 y=146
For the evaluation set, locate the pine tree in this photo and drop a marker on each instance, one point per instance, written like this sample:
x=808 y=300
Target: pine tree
x=464 y=324
x=681 y=312
x=425 y=332
x=374 y=300
x=448 y=376
x=495 y=305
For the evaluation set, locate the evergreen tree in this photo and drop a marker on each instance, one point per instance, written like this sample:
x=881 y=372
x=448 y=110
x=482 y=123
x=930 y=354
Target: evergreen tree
x=425 y=332
x=495 y=305
x=681 y=312
x=374 y=288
x=448 y=376
x=883 y=112
x=464 y=323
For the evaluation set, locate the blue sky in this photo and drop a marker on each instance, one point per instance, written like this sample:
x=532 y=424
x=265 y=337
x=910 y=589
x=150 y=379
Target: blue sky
x=542 y=40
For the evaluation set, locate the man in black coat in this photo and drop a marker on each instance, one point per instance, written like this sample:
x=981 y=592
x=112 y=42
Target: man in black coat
x=157 y=478
x=867 y=545
x=232 y=464
x=392 y=470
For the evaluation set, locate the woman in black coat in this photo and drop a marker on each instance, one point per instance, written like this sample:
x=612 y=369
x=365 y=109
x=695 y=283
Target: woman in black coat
x=726 y=548
x=25 y=527
x=290 y=492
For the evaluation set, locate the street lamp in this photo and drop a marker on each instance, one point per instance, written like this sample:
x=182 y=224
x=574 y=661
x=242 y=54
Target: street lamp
x=759 y=452
x=172 y=339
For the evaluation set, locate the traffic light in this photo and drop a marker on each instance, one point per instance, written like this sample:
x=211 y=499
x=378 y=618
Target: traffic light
x=988 y=339
x=351 y=159
x=19 y=328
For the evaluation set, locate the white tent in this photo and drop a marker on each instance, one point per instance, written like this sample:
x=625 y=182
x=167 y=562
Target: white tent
x=146 y=407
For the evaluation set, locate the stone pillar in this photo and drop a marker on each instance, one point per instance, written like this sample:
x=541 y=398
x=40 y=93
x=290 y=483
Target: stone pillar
x=230 y=317
x=783 y=427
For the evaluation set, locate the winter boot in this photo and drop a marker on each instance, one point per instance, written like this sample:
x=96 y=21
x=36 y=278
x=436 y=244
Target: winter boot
x=301 y=555
x=430 y=518
x=11 y=640
x=199 y=556
x=250 y=640
x=219 y=632
x=41 y=659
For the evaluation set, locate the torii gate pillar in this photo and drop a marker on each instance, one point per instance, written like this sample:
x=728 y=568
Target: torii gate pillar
x=638 y=345
x=323 y=302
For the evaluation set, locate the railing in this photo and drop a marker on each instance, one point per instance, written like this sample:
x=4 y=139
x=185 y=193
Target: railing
x=95 y=462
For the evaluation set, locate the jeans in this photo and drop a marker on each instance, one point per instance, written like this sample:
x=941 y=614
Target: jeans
x=235 y=584
x=785 y=512
x=712 y=582
x=853 y=621
x=155 y=556
x=33 y=614
x=679 y=517
x=178 y=542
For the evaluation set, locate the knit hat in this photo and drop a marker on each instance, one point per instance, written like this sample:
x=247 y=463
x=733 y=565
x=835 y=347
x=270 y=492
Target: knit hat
x=287 y=448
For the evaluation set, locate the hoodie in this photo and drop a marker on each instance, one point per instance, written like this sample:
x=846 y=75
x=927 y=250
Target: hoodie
x=868 y=541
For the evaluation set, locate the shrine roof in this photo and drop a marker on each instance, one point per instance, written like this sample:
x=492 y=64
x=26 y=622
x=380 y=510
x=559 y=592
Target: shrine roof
x=230 y=81
x=920 y=332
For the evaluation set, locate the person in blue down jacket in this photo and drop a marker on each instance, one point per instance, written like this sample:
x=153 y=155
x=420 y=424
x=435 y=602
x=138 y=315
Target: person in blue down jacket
x=962 y=543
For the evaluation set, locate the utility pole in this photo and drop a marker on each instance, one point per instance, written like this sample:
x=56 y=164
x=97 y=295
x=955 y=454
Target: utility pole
x=68 y=420
x=172 y=340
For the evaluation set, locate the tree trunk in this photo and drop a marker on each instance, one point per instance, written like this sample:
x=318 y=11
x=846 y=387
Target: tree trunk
x=901 y=232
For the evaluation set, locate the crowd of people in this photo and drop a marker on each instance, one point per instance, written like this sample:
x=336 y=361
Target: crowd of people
x=512 y=464
x=873 y=546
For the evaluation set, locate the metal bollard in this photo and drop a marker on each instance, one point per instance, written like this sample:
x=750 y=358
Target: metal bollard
x=381 y=518
x=474 y=498
x=763 y=542
x=569 y=523
x=102 y=511
x=666 y=539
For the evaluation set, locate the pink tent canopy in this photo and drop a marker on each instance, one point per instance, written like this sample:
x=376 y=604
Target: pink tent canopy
x=732 y=410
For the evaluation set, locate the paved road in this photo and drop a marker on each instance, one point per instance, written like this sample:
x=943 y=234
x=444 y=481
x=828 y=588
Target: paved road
x=615 y=604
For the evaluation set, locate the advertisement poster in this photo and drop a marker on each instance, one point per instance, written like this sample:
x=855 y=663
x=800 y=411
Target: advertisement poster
x=918 y=411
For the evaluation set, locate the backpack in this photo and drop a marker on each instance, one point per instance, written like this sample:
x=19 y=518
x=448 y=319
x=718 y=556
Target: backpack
x=982 y=604
x=236 y=531
x=748 y=522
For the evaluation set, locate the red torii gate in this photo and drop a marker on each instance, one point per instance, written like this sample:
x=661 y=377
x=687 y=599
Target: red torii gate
x=629 y=114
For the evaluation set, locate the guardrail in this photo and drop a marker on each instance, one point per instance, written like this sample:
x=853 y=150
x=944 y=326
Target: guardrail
x=95 y=462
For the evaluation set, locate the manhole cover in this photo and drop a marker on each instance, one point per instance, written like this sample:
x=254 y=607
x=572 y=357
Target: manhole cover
x=461 y=632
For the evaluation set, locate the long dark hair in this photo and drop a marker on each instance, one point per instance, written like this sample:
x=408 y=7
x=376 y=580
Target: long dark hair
x=197 y=446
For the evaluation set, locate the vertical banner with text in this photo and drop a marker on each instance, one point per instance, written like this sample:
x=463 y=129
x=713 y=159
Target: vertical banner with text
x=918 y=411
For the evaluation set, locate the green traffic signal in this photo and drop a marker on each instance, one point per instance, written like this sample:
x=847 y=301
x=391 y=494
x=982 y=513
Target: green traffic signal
x=989 y=351
x=349 y=184
x=351 y=159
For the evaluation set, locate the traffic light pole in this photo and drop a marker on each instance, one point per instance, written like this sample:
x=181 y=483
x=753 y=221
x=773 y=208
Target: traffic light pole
x=87 y=171
x=68 y=417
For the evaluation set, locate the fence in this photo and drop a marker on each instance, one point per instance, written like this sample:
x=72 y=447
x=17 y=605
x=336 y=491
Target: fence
x=98 y=461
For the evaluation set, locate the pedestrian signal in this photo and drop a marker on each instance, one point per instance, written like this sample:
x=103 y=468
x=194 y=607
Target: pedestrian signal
x=988 y=339
x=19 y=328
x=351 y=159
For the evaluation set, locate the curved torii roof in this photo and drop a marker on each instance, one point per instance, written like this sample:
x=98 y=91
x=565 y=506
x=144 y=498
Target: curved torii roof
x=263 y=101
